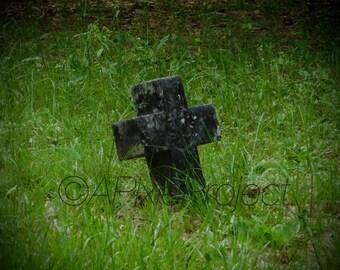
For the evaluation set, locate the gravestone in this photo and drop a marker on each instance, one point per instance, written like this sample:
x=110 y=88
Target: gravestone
x=167 y=133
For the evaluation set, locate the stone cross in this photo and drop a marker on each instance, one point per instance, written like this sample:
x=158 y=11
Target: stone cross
x=167 y=133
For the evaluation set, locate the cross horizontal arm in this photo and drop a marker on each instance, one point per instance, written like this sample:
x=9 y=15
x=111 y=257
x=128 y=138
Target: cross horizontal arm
x=205 y=129
x=158 y=132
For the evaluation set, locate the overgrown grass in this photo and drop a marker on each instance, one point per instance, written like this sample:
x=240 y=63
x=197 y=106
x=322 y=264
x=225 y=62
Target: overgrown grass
x=278 y=108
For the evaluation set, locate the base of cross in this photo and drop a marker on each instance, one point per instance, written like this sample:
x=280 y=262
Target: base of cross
x=167 y=133
x=176 y=174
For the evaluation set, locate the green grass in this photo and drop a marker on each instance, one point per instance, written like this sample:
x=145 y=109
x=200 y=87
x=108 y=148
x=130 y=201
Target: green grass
x=277 y=102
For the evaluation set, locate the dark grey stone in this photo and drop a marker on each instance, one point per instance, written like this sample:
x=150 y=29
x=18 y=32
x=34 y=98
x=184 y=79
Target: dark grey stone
x=167 y=133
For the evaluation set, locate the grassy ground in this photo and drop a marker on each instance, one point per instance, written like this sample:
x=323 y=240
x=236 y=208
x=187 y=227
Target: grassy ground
x=66 y=73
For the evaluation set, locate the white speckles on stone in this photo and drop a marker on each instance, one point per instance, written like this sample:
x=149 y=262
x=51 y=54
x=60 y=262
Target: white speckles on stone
x=182 y=120
x=194 y=117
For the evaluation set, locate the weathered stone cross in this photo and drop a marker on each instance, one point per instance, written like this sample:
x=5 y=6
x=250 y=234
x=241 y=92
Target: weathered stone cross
x=167 y=133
